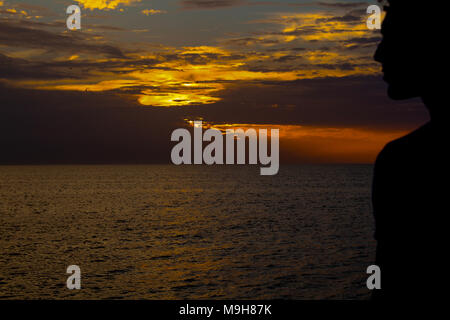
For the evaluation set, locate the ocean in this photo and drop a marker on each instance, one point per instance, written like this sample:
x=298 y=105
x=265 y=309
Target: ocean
x=186 y=232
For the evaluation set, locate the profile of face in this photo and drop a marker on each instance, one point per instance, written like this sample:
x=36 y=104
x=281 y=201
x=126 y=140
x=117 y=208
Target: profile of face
x=405 y=52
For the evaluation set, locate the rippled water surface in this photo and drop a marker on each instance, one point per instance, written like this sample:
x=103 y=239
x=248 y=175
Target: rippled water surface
x=167 y=232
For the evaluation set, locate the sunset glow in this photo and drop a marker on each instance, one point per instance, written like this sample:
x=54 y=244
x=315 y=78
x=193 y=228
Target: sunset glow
x=296 y=68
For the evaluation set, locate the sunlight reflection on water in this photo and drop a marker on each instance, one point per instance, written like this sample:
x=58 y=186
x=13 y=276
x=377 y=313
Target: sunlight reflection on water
x=167 y=232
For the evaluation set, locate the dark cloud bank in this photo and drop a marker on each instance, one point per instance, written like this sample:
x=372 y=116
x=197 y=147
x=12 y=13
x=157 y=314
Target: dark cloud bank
x=77 y=127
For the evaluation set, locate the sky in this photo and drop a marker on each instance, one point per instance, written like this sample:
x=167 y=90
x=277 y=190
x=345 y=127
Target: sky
x=116 y=89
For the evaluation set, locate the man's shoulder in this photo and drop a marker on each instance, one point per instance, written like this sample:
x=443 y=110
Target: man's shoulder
x=405 y=146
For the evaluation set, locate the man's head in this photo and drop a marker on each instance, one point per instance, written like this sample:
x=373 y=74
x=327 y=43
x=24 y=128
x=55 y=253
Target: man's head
x=413 y=47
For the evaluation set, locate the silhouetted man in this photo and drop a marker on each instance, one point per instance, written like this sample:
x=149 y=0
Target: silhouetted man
x=410 y=180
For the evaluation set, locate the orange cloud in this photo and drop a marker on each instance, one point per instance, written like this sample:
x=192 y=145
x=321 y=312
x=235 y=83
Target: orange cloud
x=105 y=4
x=183 y=81
x=322 y=144
x=334 y=145
x=195 y=75
x=151 y=12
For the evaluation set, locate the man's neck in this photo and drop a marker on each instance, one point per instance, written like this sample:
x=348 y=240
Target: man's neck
x=439 y=114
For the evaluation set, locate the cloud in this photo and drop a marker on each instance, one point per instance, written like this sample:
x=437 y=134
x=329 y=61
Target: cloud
x=320 y=120
x=15 y=35
x=71 y=127
x=33 y=24
x=344 y=102
x=361 y=42
x=106 y=4
x=313 y=144
x=349 y=18
x=343 y=5
x=306 y=46
x=210 y=4
x=172 y=77
x=303 y=30
x=310 y=73
x=12 y=11
x=35 y=10
x=14 y=68
x=151 y=12
x=318 y=26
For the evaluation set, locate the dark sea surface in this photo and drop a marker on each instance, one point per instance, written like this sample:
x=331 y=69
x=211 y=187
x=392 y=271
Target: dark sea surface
x=194 y=232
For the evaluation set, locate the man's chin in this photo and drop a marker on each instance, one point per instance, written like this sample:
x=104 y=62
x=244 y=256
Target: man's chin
x=401 y=92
